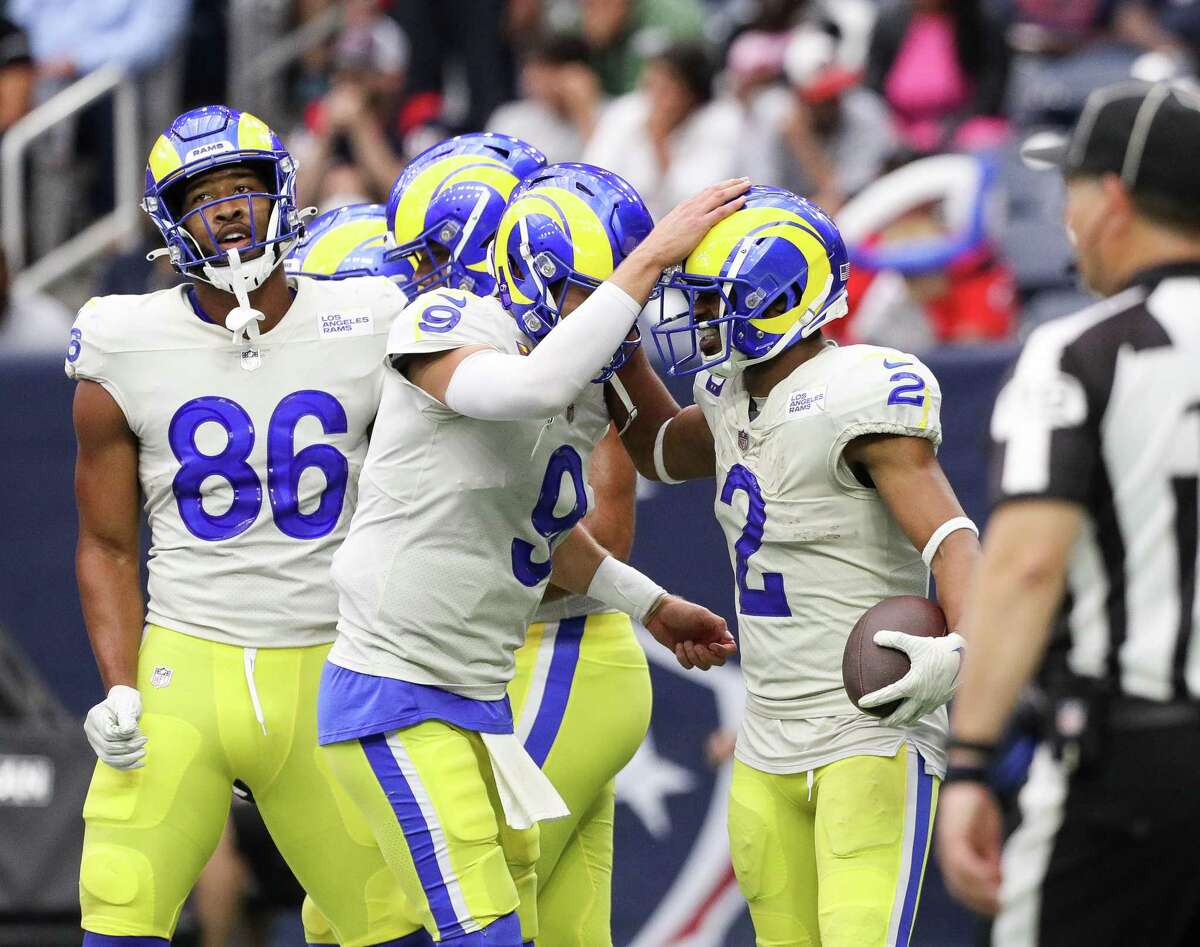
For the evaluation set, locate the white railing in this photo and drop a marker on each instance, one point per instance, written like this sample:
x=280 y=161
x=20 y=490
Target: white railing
x=120 y=224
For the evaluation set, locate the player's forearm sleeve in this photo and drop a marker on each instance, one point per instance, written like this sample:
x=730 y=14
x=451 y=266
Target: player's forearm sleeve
x=495 y=386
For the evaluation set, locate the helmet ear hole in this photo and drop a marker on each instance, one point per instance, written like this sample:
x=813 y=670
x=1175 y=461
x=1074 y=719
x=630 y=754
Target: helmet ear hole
x=780 y=305
x=172 y=199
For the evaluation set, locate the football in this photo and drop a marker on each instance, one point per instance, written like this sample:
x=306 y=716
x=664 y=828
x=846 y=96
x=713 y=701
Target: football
x=866 y=666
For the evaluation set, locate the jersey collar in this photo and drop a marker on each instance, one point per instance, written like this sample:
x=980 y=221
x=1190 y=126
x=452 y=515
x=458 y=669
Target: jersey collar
x=189 y=292
x=1153 y=275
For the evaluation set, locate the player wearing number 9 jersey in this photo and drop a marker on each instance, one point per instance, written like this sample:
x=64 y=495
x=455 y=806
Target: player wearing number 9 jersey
x=469 y=503
x=828 y=490
x=246 y=446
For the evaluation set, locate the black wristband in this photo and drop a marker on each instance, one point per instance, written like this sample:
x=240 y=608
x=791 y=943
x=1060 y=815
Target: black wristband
x=965 y=774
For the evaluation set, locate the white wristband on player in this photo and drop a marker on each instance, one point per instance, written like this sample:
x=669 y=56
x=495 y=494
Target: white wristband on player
x=624 y=588
x=660 y=465
x=940 y=534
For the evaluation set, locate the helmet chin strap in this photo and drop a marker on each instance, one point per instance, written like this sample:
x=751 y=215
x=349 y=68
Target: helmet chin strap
x=242 y=320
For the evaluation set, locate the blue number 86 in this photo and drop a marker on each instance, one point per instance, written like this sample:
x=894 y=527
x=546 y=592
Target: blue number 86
x=284 y=466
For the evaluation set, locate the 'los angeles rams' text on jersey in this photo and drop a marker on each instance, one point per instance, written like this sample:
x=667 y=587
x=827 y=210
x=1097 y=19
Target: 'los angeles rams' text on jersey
x=248 y=457
x=812 y=547
x=449 y=551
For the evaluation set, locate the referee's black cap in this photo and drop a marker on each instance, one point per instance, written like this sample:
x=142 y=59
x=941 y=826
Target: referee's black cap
x=1147 y=133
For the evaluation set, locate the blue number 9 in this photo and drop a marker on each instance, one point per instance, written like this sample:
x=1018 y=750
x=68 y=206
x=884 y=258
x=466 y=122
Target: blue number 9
x=439 y=318
x=529 y=571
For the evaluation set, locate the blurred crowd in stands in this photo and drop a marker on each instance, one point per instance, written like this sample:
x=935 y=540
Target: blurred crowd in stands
x=845 y=101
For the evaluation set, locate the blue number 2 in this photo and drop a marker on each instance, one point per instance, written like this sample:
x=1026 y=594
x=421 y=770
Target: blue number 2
x=770 y=600
x=565 y=460
x=284 y=466
x=906 y=393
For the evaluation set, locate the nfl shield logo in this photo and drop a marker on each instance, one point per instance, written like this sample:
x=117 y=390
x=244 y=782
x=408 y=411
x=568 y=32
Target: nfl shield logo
x=672 y=871
x=251 y=359
x=161 y=676
x=743 y=441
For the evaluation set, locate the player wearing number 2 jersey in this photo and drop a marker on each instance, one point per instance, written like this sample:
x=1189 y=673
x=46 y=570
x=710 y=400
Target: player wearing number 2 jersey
x=246 y=446
x=828 y=491
x=470 y=499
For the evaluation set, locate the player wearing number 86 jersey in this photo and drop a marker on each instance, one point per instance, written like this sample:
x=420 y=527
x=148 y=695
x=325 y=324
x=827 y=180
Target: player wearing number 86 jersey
x=246 y=445
x=252 y=456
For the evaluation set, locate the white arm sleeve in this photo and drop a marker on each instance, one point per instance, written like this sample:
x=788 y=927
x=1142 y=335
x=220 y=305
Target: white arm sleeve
x=496 y=386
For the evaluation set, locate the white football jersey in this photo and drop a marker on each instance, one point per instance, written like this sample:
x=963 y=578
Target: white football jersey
x=248 y=458
x=812 y=547
x=449 y=551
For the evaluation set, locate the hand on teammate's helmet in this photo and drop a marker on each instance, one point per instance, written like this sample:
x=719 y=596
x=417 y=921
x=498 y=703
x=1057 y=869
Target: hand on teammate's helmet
x=699 y=638
x=112 y=728
x=685 y=225
x=930 y=682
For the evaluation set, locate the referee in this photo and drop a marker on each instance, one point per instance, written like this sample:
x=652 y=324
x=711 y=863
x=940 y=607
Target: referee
x=1095 y=476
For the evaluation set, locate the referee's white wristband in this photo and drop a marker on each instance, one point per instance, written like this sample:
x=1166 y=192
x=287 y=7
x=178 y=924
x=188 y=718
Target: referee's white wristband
x=625 y=589
x=660 y=466
x=940 y=534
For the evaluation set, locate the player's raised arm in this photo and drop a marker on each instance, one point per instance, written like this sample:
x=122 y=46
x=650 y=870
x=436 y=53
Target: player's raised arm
x=666 y=443
x=697 y=636
x=106 y=565
x=486 y=383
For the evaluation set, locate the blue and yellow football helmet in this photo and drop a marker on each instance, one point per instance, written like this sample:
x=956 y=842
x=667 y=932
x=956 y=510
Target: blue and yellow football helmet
x=348 y=241
x=568 y=225
x=761 y=280
x=444 y=208
x=200 y=141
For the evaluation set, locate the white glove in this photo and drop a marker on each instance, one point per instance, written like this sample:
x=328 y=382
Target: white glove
x=112 y=728
x=929 y=683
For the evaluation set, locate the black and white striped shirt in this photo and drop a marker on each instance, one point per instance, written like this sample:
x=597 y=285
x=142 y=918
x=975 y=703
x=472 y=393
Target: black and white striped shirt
x=1103 y=409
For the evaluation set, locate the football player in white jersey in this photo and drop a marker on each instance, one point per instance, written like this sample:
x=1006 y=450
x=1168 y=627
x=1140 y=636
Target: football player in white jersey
x=238 y=405
x=831 y=499
x=581 y=692
x=469 y=504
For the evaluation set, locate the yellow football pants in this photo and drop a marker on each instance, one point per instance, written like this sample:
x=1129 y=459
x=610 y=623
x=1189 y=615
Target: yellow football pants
x=430 y=798
x=150 y=831
x=581 y=699
x=838 y=861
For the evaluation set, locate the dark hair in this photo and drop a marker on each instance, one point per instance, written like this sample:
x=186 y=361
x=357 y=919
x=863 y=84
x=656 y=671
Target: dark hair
x=693 y=66
x=557 y=49
x=1167 y=212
